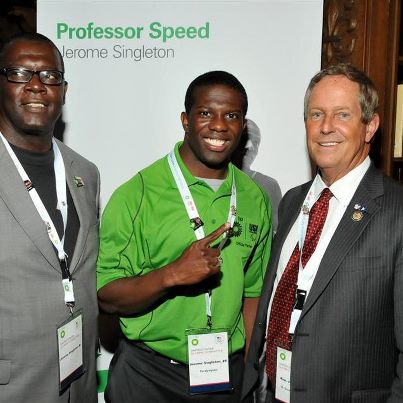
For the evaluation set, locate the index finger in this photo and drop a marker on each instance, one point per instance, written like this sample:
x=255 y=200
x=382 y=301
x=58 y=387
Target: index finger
x=208 y=239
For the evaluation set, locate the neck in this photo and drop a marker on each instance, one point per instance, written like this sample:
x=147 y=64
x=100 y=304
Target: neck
x=30 y=142
x=200 y=170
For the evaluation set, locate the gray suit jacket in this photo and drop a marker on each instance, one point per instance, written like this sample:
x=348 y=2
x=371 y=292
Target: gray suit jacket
x=349 y=340
x=31 y=294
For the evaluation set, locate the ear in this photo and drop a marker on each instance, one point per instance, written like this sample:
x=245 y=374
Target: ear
x=245 y=121
x=185 y=122
x=65 y=84
x=371 y=128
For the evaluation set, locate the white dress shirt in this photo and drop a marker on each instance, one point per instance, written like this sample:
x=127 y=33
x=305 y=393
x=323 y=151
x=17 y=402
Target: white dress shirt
x=343 y=191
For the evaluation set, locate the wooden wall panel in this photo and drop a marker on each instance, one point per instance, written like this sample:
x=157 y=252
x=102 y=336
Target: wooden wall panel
x=365 y=33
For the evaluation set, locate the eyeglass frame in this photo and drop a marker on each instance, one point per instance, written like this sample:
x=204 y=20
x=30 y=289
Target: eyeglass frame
x=4 y=71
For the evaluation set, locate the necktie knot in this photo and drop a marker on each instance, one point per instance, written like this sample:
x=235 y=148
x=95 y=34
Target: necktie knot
x=324 y=197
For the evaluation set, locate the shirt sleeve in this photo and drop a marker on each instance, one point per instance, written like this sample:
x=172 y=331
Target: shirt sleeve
x=120 y=252
x=259 y=259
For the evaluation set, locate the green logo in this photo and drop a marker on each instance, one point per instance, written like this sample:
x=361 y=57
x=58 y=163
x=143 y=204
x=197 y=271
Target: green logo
x=62 y=334
x=283 y=356
x=195 y=342
x=66 y=287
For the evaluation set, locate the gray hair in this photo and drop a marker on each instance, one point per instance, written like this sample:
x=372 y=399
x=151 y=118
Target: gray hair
x=368 y=96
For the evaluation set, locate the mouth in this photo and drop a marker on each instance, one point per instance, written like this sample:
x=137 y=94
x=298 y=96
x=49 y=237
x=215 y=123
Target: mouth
x=34 y=106
x=329 y=144
x=215 y=144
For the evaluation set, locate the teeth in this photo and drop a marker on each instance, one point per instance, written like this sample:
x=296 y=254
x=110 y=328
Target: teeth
x=35 y=105
x=215 y=142
x=328 y=144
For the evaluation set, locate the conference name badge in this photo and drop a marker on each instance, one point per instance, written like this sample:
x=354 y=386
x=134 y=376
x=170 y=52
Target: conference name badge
x=70 y=349
x=208 y=362
x=283 y=375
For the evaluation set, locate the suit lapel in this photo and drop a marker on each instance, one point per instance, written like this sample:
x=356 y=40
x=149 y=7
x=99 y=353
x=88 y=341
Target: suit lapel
x=79 y=199
x=346 y=234
x=18 y=201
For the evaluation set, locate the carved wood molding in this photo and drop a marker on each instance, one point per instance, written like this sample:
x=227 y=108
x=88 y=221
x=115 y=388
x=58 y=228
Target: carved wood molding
x=339 y=31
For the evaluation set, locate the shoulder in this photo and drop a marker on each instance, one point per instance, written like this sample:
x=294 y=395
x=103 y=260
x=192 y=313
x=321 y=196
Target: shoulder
x=75 y=157
x=296 y=192
x=247 y=184
x=132 y=192
x=383 y=188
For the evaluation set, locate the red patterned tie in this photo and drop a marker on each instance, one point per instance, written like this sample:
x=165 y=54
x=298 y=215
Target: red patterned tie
x=284 y=297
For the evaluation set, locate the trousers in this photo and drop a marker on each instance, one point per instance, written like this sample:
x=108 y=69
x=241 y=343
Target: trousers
x=137 y=374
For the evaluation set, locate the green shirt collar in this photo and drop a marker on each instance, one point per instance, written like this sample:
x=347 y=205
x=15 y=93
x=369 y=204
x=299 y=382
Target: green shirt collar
x=191 y=180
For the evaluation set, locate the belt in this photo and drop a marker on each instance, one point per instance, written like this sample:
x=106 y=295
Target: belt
x=140 y=345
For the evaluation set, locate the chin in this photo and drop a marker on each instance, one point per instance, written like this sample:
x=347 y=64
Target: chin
x=38 y=131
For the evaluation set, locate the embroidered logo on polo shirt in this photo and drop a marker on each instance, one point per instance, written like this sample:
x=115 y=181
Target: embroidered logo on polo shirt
x=236 y=229
x=246 y=233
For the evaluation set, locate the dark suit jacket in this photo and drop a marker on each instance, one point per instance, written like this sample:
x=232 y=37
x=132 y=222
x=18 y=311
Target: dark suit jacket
x=349 y=340
x=31 y=293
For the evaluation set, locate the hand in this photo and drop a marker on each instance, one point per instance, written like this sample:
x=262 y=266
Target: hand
x=198 y=261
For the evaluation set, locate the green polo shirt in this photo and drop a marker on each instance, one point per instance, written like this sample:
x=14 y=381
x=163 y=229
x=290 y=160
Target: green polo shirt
x=145 y=226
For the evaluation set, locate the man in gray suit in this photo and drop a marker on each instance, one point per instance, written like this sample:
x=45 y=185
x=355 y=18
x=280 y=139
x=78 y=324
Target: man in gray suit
x=335 y=332
x=48 y=236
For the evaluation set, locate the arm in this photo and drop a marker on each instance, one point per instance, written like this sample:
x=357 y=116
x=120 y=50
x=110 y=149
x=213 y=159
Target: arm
x=250 y=306
x=132 y=295
x=255 y=273
x=397 y=385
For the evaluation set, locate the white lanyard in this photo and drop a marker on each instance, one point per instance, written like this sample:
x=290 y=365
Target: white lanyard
x=305 y=275
x=193 y=214
x=61 y=193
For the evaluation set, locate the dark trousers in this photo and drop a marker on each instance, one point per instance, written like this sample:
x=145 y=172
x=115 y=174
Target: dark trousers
x=139 y=375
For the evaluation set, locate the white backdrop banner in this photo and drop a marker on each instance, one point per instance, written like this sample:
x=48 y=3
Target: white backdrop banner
x=129 y=63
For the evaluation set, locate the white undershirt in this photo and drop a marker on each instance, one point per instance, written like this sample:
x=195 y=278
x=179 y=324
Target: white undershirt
x=343 y=191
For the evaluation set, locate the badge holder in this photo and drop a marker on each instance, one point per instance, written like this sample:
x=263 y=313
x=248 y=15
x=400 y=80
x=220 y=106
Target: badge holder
x=208 y=358
x=70 y=349
x=283 y=372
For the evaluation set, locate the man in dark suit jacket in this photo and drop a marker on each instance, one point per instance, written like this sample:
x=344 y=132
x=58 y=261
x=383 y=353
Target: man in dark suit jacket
x=48 y=232
x=346 y=342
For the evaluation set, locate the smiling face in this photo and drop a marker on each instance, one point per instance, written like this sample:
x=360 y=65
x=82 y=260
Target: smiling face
x=337 y=138
x=213 y=129
x=29 y=111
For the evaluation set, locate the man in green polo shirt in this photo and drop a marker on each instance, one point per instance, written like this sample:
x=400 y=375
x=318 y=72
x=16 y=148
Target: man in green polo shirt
x=184 y=248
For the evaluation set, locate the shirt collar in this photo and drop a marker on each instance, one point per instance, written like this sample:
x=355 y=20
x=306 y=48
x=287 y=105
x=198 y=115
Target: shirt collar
x=192 y=180
x=344 y=188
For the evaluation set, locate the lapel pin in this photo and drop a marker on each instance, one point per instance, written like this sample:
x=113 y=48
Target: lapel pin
x=358 y=212
x=78 y=181
x=305 y=209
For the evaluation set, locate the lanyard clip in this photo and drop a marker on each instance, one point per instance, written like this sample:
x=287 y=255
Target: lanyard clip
x=299 y=301
x=65 y=270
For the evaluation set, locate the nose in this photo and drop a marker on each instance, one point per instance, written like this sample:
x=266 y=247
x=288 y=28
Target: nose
x=35 y=84
x=218 y=123
x=327 y=125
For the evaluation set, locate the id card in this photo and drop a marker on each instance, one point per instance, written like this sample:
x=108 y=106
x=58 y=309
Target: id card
x=208 y=362
x=70 y=349
x=283 y=375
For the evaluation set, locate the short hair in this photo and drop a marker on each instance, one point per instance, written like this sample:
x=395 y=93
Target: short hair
x=217 y=77
x=28 y=36
x=368 y=94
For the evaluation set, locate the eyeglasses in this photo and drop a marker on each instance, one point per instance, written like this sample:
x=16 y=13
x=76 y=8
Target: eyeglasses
x=20 y=75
